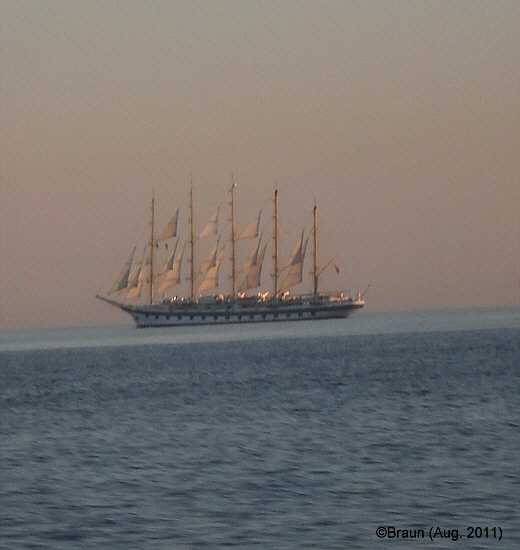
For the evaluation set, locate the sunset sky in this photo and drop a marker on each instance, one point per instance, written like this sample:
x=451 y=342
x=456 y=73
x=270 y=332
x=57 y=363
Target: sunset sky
x=400 y=118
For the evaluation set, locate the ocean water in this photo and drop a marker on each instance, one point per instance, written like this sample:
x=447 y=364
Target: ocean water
x=287 y=436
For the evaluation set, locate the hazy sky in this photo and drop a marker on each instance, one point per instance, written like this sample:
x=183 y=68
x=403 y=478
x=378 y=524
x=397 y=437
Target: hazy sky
x=401 y=118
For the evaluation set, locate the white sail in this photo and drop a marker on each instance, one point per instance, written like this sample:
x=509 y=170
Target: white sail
x=297 y=253
x=167 y=265
x=211 y=258
x=294 y=265
x=211 y=278
x=252 y=279
x=211 y=228
x=135 y=291
x=252 y=254
x=122 y=280
x=251 y=231
x=173 y=275
x=133 y=279
x=170 y=230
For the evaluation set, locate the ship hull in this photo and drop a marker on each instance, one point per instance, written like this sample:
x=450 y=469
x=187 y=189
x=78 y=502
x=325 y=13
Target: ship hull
x=164 y=316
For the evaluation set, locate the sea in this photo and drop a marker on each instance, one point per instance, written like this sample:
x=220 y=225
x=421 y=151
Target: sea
x=385 y=430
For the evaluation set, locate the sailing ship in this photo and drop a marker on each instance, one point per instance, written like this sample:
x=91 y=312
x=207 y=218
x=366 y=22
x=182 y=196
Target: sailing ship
x=205 y=304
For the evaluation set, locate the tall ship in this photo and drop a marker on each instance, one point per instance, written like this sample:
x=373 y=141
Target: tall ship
x=146 y=286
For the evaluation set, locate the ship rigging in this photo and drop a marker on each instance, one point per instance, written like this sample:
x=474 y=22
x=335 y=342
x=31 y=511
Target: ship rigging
x=204 y=304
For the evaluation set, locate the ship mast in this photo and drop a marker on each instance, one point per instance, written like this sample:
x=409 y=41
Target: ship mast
x=152 y=248
x=315 y=273
x=275 y=239
x=233 y=238
x=192 y=248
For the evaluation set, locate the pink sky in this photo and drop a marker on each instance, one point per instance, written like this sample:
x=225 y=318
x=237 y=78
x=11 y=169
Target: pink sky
x=402 y=120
